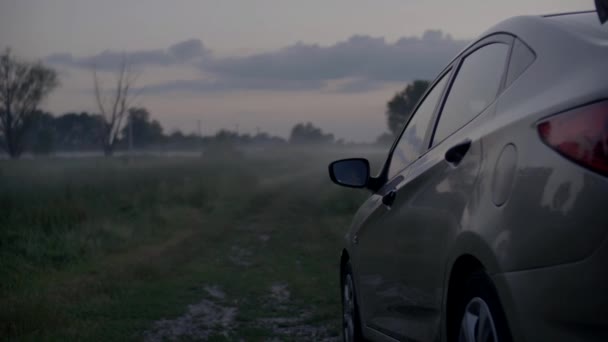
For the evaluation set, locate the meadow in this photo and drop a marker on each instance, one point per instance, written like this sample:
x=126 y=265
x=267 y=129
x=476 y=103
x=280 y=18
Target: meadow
x=224 y=247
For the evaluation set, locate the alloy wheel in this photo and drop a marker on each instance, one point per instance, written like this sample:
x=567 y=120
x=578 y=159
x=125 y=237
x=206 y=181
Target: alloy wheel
x=477 y=323
x=348 y=309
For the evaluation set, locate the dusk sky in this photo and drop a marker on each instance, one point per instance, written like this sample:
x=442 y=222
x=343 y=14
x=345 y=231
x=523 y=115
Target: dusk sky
x=263 y=63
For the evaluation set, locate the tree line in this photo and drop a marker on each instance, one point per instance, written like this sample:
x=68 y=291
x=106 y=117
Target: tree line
x=118 y=125
x=77 y=132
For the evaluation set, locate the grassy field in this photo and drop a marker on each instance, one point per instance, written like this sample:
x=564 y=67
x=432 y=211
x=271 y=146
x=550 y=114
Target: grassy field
x=161 y=248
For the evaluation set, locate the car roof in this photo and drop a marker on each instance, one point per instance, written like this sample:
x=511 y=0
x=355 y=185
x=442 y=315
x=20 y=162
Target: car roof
x=555 y=38
x=586 y=24
x=571 y=51
x=555 y=28
x=538 y=31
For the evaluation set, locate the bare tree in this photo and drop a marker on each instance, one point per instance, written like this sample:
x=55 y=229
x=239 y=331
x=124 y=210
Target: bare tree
x=23 y=85
x=114 y=108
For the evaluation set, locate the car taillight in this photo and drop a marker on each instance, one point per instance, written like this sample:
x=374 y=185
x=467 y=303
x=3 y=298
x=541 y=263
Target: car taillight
x=580 y=135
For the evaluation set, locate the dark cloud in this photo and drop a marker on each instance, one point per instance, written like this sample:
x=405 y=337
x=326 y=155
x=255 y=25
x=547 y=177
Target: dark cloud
x=223 y=85
x=358 y=86
x=363 y=62
x=60 y=59
x=183 y=52
x=360 y=56
x=188 y=50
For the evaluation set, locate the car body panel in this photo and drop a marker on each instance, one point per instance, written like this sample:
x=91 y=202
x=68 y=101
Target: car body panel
x=423 y=228
x=411 y=235
x=567 y=302
x=530 y=241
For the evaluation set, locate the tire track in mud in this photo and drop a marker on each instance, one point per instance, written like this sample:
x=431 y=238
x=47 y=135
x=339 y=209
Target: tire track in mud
x=279 y=316
x=216 y=316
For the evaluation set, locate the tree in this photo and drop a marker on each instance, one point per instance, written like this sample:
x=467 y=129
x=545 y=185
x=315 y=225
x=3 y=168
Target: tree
x=141 y=130
x=226 y=136
x=113 y=109
x=399 y=108
x=385 y=139
x=23 y=85
x=266 y=139
x=78 y=131
x=40 y=138
x=308 y=133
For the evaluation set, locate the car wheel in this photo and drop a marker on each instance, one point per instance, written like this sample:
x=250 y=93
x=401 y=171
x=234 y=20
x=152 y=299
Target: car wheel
x=481 y=316
x=351 y=326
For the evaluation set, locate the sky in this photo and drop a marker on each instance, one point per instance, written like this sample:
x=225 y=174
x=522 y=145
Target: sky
x=253 y=64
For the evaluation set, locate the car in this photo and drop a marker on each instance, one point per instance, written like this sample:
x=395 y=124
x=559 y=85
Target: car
x=487 y=221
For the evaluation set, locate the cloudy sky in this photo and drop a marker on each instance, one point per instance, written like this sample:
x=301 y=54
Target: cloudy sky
x=254 y=63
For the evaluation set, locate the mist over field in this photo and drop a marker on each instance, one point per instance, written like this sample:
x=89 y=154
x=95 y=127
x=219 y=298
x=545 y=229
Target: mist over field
x=113 y=228
x=106 y=249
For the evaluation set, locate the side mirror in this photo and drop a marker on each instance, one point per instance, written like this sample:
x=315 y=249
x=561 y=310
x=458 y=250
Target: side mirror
x=352 y=173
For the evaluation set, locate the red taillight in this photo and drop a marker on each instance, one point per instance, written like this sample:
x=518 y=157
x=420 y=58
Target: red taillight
x=580 y=135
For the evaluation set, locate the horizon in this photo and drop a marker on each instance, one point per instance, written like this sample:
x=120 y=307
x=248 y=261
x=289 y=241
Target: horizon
x=259 y=64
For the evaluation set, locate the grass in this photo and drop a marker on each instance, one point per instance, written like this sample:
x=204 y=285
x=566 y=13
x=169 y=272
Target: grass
x=106 y=249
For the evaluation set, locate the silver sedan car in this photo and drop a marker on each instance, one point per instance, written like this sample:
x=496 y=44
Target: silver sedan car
x=486 y=221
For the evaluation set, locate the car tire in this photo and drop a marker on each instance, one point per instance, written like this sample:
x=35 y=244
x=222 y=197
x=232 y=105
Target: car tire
x=351 y=322
x=481 y=318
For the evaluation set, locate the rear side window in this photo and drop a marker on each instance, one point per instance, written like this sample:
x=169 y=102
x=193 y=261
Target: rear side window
x=474 y=89
x=410 y=144
x=521 y=58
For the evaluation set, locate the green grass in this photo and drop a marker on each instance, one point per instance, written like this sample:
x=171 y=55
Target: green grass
x=102 y=249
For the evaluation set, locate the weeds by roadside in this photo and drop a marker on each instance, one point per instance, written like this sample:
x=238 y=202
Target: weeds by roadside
x=107 y=249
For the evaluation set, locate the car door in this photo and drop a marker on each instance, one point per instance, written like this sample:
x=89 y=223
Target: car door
x=435 y=197
x=374 y=249
x=431 y=199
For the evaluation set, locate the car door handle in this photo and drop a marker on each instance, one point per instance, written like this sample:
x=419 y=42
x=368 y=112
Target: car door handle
x=456 y=153
x=389 y=198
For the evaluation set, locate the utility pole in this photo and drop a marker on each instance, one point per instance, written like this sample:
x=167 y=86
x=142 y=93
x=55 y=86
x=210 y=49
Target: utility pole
x=130 y=132
x=200 y=135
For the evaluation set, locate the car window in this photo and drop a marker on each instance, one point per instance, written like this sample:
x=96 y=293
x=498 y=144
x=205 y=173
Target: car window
x=475 y=88
x=411 y=141
x=521 y=58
